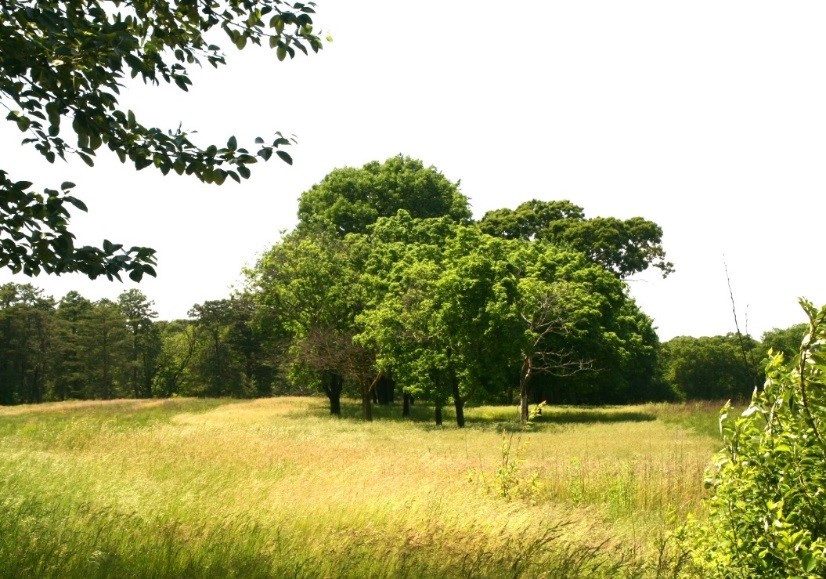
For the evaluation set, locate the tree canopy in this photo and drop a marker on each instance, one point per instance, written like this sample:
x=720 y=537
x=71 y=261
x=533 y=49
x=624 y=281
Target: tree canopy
x=710 y=367
x=62 y=66
x=624 y=247
x=350 y=199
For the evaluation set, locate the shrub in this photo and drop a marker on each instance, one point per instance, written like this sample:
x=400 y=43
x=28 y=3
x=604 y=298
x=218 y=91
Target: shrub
x=767 y=513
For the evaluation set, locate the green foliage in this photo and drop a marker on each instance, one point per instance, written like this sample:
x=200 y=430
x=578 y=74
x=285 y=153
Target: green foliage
x=456 y=313
x=350 y=200
x=307 y=292
x=35 y=236
x=710 y=368
x=145 y=345
x=26 y=343
x=509 y=481
x=784 y=341
x=438 y=311
x=226 y=356
x=767 y=515
x=62 y=65
x=624 y=247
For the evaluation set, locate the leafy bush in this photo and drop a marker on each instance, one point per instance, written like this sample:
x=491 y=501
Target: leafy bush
x=767 y=514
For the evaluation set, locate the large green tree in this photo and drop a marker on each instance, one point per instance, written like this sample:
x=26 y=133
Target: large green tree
x=434 y=307
x=309 y=285
x=62 y=66
x=104 y=340
x=73 y=311
x=456 y=314
x=26 y=343
x=145 y=346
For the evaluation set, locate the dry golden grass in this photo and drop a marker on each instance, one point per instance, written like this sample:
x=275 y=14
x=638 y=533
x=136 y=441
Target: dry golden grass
x=285 y=489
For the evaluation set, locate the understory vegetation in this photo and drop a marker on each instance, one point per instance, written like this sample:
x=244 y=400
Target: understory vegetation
x=276 y=487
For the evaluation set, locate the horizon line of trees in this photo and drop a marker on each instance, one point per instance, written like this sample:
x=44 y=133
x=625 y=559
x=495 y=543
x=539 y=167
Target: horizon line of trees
x=387 y=288
x=76 y=348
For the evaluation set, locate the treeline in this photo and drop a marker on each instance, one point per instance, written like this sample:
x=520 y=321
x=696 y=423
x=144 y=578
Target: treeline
x=387 y=289
x=80 y=349
x=723 y=367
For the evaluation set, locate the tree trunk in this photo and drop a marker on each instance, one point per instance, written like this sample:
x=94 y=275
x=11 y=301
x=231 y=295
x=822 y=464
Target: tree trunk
x=438 y=415
x=458 y=402
x=406 y=405
x=524 y=377
x=333 y=392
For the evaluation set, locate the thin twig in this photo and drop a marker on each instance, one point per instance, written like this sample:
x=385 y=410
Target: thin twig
x=741 y=340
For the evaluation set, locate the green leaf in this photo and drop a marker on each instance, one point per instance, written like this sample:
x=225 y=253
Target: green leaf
x=142 y=163
x=285 y=157
x=76 y=202
x=23 y=123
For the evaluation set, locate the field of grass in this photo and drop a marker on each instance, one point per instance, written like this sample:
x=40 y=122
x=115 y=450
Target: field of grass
x=278 y=488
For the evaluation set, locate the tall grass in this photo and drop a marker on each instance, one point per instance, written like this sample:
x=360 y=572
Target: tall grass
x=276 y=487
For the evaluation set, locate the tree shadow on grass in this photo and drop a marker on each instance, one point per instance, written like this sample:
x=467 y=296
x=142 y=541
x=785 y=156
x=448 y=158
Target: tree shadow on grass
x=483 y=417
x=352 y=410
x=592 y=415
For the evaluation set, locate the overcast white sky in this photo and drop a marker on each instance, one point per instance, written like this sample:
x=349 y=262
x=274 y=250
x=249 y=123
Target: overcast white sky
x=707 y=117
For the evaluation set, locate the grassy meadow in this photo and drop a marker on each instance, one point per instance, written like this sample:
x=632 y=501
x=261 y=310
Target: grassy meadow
x=278 y=488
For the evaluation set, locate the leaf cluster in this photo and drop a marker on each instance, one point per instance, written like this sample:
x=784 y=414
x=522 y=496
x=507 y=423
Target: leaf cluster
x=35 y=237
x=62 y=67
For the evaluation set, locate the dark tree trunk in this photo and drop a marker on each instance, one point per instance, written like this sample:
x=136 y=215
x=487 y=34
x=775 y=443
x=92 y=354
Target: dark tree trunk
x=438 y=415
x=406 y=405
x=524 y=377
x=333 y=385
x=458 y=402
x=384 y=391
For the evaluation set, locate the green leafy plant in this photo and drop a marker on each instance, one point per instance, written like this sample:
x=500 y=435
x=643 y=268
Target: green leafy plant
x=767 y=514
x=509 y=481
